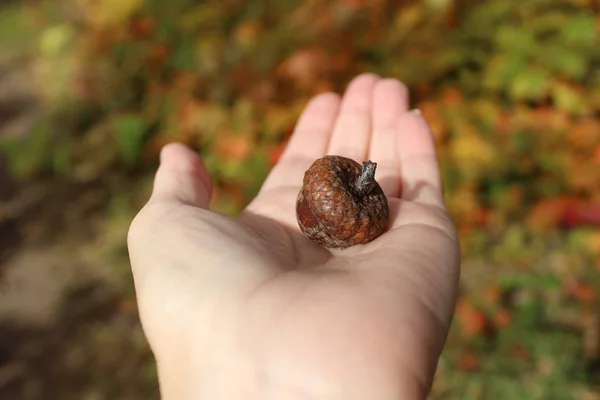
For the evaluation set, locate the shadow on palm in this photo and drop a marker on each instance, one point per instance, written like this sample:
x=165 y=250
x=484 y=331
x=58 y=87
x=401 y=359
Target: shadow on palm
x=272 y=218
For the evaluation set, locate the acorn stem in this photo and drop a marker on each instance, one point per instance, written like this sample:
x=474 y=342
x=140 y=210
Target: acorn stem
x=366 y=180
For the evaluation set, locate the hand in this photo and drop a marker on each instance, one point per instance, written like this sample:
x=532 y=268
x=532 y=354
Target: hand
x=248 y=308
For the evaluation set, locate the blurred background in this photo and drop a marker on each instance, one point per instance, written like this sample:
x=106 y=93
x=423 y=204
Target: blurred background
x=91 y=89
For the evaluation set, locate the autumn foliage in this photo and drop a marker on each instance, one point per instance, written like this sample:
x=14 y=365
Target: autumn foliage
x=511 y=91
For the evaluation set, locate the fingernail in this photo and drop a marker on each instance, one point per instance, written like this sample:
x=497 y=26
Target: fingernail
x=416 y=111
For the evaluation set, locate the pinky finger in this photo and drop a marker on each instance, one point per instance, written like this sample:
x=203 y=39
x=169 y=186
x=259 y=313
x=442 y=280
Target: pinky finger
x=421 y=181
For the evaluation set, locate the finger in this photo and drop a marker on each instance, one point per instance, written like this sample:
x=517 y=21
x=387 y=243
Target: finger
x=181 y=178
x=350 y=137
x=418 y=161
x=390 y=101
x=308 y=142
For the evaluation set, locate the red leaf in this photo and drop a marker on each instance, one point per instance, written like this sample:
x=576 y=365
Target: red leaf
x=453 y=96
x=469 y=361
x=492 y=294
x=546 y=214
x=578 y=213
x=502 y=318
x=233 y=147
x=567 y=212
x=597 y=155
x=274 y=152
x=472 y=320
x=482 y=217
x=142 y=27
x=580 y=291
x=157 y=55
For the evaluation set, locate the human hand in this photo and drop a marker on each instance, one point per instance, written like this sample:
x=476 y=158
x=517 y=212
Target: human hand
x=248 y=308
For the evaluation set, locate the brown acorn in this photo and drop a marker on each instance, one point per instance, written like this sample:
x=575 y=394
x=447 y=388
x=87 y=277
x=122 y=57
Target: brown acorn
x=340 y=203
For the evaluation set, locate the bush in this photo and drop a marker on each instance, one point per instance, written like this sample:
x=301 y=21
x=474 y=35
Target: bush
x=511 y=90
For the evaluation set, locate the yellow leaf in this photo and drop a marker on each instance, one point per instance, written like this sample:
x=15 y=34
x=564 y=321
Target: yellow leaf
x=473 y=155
x=55 y=38
x=463 y=204
x=247 y=33
x=109 y=13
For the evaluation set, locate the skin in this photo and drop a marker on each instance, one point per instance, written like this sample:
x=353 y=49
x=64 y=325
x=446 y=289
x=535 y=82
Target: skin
x=249 y=308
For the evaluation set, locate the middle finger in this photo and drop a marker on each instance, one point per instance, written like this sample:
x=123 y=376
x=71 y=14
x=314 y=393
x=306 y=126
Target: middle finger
x=352 y=130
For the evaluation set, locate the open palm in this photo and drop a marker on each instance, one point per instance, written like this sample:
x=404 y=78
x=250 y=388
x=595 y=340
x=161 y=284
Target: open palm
x=249 y=308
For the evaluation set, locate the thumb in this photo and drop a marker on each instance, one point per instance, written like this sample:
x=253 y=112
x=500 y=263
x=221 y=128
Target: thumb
x=181 y=178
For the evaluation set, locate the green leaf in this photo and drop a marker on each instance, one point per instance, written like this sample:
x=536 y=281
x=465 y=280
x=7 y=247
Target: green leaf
x=185 y=56
x=569 y=98
x=514 y=40
x=257 y=168
x=502 y=70
x=130 y=132
x=532 y=83
x=16 y=29
x=61 y=158
x=581 y=29
x=523 y=142
x=564 y=60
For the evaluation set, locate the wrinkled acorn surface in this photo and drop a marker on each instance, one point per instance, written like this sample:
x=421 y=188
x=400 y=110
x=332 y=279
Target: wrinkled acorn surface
x=340 y=203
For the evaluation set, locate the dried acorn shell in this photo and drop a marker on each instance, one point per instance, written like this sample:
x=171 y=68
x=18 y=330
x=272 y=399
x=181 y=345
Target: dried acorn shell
x=340 y=203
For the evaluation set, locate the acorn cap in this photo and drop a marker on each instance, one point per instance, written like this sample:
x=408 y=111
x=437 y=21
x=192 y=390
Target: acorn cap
x=341 y=204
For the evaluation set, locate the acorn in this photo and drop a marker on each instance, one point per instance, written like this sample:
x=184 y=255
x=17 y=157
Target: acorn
x=340 y=203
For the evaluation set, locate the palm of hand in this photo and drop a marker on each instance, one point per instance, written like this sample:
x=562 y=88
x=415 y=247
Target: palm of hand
x=255 y=299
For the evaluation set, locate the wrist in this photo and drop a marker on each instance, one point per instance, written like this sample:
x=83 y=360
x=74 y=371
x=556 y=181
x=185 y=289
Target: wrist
x=226 y=385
